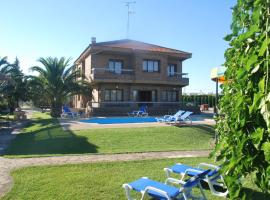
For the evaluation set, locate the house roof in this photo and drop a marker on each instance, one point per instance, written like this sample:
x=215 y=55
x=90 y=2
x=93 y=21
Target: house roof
x=137 y=45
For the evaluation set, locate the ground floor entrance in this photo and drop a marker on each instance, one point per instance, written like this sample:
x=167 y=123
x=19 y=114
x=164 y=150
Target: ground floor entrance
x=119 y=99
x=145 y=95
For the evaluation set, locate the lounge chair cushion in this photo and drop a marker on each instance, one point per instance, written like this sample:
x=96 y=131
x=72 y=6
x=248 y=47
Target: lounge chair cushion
x=140 y=185
x=196 y=179
x=180 y=169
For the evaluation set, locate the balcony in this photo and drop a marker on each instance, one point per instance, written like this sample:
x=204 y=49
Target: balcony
x=105 y=75
x=115 y=76
x=181 y=78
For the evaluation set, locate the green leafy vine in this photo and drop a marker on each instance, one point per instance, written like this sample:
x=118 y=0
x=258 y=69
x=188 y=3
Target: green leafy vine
x=244 y=121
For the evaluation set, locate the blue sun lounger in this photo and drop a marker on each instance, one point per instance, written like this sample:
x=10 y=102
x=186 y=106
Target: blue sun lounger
x=184 y=117
x=66 y=112
x=161 y=191
x=142 y=112
x=170 y=118
x=213 y=178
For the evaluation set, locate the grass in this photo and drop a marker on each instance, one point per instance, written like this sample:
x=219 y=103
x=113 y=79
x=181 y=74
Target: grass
x=96 y=181
x=45 y=137
x=4 y=117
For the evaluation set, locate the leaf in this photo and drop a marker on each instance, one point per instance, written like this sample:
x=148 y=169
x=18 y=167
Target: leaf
x=253 y=29
x=261 y=85
x=265 y=109
x=228 y=37
x=255 y=69
x=241 y=73
x=266 y=149
x=256 y=102
x=249 y=40
x=264 y=47
x=256 y=15
x=251 y=61
x=257 y=136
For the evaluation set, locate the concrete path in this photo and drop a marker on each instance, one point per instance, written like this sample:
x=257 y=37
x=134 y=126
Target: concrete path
x=8 y=165
x=75 y=124
x=5 y=139
x=8 y=133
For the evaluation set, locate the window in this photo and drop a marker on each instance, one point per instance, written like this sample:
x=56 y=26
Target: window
x=135 y=95
x=119 y=95
x=151 y=65
x=171 y=95
x=115 y=66
x=171 y=69
x=164 y=96
x=107 y=95
x=79 y=72
x=154 y=95
x=113 y=95
x=83 y=67
x=168 y=95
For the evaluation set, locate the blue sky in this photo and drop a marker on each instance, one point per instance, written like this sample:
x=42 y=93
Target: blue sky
x=35 y=28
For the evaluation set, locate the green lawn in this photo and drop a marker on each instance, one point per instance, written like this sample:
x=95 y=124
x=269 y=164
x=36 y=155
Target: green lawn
x=44 y=136
x=95 y=181
x=6 y=117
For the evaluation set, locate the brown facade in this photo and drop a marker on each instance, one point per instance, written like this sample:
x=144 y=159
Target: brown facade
x=128 y=73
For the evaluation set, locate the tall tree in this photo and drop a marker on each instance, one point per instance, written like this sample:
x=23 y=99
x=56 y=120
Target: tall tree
x=3 y=64
x=3 y=79
x=58 y=81
x=15 y=88
x=244 y=122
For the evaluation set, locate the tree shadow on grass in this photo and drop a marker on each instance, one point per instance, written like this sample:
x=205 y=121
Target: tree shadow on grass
x=255 y=195
x=204 y=128
x=49 y=138
x=250 y=193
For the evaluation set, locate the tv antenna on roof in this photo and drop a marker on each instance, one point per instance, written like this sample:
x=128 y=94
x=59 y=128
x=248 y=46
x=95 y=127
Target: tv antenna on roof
x=129 y=12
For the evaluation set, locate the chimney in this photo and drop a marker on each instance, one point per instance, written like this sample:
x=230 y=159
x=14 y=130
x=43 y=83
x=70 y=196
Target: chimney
x=93 y=40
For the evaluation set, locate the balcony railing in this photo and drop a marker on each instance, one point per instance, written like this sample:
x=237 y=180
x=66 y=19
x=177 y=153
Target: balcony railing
x=178 y=75
x=134 y=104
x=124 y=75
x=111 y=71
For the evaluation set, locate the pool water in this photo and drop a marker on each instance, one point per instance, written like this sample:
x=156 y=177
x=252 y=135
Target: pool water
x=119 y=120
x=126 y=120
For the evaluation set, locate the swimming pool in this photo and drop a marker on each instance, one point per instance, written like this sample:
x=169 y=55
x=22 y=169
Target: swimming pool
x=119 y=120
x=126 y=120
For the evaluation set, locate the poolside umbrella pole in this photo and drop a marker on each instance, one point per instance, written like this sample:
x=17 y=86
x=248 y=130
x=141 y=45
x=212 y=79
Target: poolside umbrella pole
x=216 y=100
x=217 y=75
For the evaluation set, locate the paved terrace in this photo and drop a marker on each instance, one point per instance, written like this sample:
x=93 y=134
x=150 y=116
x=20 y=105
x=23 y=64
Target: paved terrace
x=8 y=165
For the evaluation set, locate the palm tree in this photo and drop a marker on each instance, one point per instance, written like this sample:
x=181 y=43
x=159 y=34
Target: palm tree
x=14 y=88
x=3 y=64
x=3 y=61
x=58 y=80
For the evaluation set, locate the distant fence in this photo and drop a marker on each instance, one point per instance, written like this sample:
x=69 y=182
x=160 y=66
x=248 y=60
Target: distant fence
x=197 y=100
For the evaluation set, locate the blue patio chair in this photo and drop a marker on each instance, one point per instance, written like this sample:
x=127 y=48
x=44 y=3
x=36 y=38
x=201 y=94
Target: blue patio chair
x=184 y=117
x=161 y=191
x=170 y=118
x=142 y=112
x=213 y=178
x=66 y=112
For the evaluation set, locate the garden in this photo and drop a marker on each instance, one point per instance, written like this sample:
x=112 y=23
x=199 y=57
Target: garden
x=242 y=148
